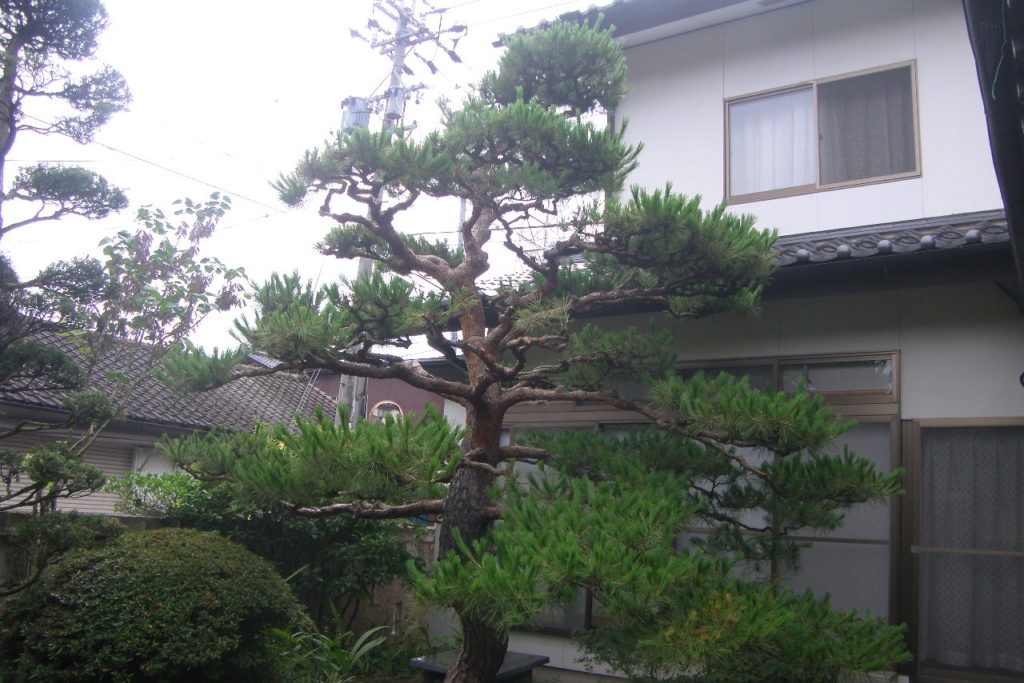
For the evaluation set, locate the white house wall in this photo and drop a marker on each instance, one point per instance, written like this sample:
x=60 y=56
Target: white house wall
x=679 y=86
x=960 y=345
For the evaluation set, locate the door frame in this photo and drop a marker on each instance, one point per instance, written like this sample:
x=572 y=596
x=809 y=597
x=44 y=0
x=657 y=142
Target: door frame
x=909 y=562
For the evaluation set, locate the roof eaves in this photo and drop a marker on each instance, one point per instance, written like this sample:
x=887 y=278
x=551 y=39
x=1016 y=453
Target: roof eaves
x=886 y=239
x=641 y=21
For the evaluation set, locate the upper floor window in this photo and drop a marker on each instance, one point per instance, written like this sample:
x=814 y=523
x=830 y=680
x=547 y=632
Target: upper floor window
x=830 y=133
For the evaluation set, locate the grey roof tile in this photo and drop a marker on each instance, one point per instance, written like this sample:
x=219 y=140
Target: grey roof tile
x=237 y=405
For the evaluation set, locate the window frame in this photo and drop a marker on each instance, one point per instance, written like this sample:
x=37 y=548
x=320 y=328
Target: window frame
x=817 y=186
x=372 y=413
x=849 y=402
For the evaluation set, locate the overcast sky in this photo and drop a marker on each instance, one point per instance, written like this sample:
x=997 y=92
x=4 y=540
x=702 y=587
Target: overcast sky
x=227 y=94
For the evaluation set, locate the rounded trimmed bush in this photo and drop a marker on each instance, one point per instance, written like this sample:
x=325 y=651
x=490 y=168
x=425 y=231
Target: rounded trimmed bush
x=165 y=605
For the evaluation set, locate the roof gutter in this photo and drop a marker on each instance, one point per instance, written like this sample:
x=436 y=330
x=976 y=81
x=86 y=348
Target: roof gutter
x=994 y=28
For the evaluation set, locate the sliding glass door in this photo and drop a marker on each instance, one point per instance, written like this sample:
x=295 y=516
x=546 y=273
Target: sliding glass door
x=970 y=553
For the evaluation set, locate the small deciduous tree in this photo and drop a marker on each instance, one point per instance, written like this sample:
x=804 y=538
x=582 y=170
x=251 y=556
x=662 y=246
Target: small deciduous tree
x=148 y=296
x=520 y=151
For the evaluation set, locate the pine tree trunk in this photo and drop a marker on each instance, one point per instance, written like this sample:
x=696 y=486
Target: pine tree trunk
x=480 y=657
x=483 y=647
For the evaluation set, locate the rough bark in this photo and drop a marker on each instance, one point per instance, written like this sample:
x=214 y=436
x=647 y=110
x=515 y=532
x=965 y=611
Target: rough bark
x=482 y=652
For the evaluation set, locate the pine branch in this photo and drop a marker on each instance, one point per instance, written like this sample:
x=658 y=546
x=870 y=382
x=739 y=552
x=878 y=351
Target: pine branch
x=524 y=453
x=371 y=510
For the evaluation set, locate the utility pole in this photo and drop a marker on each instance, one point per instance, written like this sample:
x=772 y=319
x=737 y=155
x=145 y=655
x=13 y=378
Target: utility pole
x=394 y=107
x=410 y=31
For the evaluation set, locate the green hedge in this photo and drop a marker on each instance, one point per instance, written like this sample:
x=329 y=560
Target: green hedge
x=166 y=605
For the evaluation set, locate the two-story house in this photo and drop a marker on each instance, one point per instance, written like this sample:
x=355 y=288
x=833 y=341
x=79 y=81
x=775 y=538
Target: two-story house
x=857 y=128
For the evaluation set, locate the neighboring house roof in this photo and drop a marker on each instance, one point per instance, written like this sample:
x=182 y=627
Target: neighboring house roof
x=265 y=361
x=237 y=405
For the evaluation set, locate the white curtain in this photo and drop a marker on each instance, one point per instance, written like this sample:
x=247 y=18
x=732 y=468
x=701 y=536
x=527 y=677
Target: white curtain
x=771 y=143
x=972 y=603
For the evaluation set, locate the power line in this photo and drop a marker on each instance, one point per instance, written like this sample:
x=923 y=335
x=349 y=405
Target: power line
x=242 y=225
x=542 y=226
x=210 y=146
x=167 y=169
x=461 y=4
x=189 y=177
x=57 y=161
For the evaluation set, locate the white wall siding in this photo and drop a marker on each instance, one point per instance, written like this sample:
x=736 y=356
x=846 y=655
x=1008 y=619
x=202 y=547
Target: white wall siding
x=851 y=36
x=960 y=345
x=675 y=106
x=955 y=154
x=679 y=87
x=112 y=455
x=963 y=355
x=768 y=51
x=115 y=459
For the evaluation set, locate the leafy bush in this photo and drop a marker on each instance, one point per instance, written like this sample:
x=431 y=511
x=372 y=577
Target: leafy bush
x=313 y=657
x=166 y=605
x=331 y=562
x=40 y=540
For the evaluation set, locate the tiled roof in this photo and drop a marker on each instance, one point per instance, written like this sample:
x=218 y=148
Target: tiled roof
x=947 y=232
x=884 y=239
x=237 y=405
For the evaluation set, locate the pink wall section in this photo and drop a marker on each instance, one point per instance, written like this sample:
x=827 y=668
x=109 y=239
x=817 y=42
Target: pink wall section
x=410 y=399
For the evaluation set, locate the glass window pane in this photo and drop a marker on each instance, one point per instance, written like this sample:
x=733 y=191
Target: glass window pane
x=759 y=376
x=972 y=539
x=629 y=389
x=856 y=575
x=619 y=430
x=972 y=611
x=871 y=440
x=972 y=488
x=771 y=142
x=866 y=126
x=856 y=375
x=569 y=616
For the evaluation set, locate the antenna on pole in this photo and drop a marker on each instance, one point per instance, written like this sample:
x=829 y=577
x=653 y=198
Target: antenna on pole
x=400 y=44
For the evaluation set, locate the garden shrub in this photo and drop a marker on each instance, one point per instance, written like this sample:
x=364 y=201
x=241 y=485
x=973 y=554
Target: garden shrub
x=165 y=605
x=332 y=562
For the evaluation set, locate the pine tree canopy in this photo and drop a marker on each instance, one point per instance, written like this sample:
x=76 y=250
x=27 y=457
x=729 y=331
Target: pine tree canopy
x=524 y=150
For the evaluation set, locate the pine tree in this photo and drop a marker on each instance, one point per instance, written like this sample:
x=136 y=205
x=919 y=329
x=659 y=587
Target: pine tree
x=524 y=149
x=40 y=43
